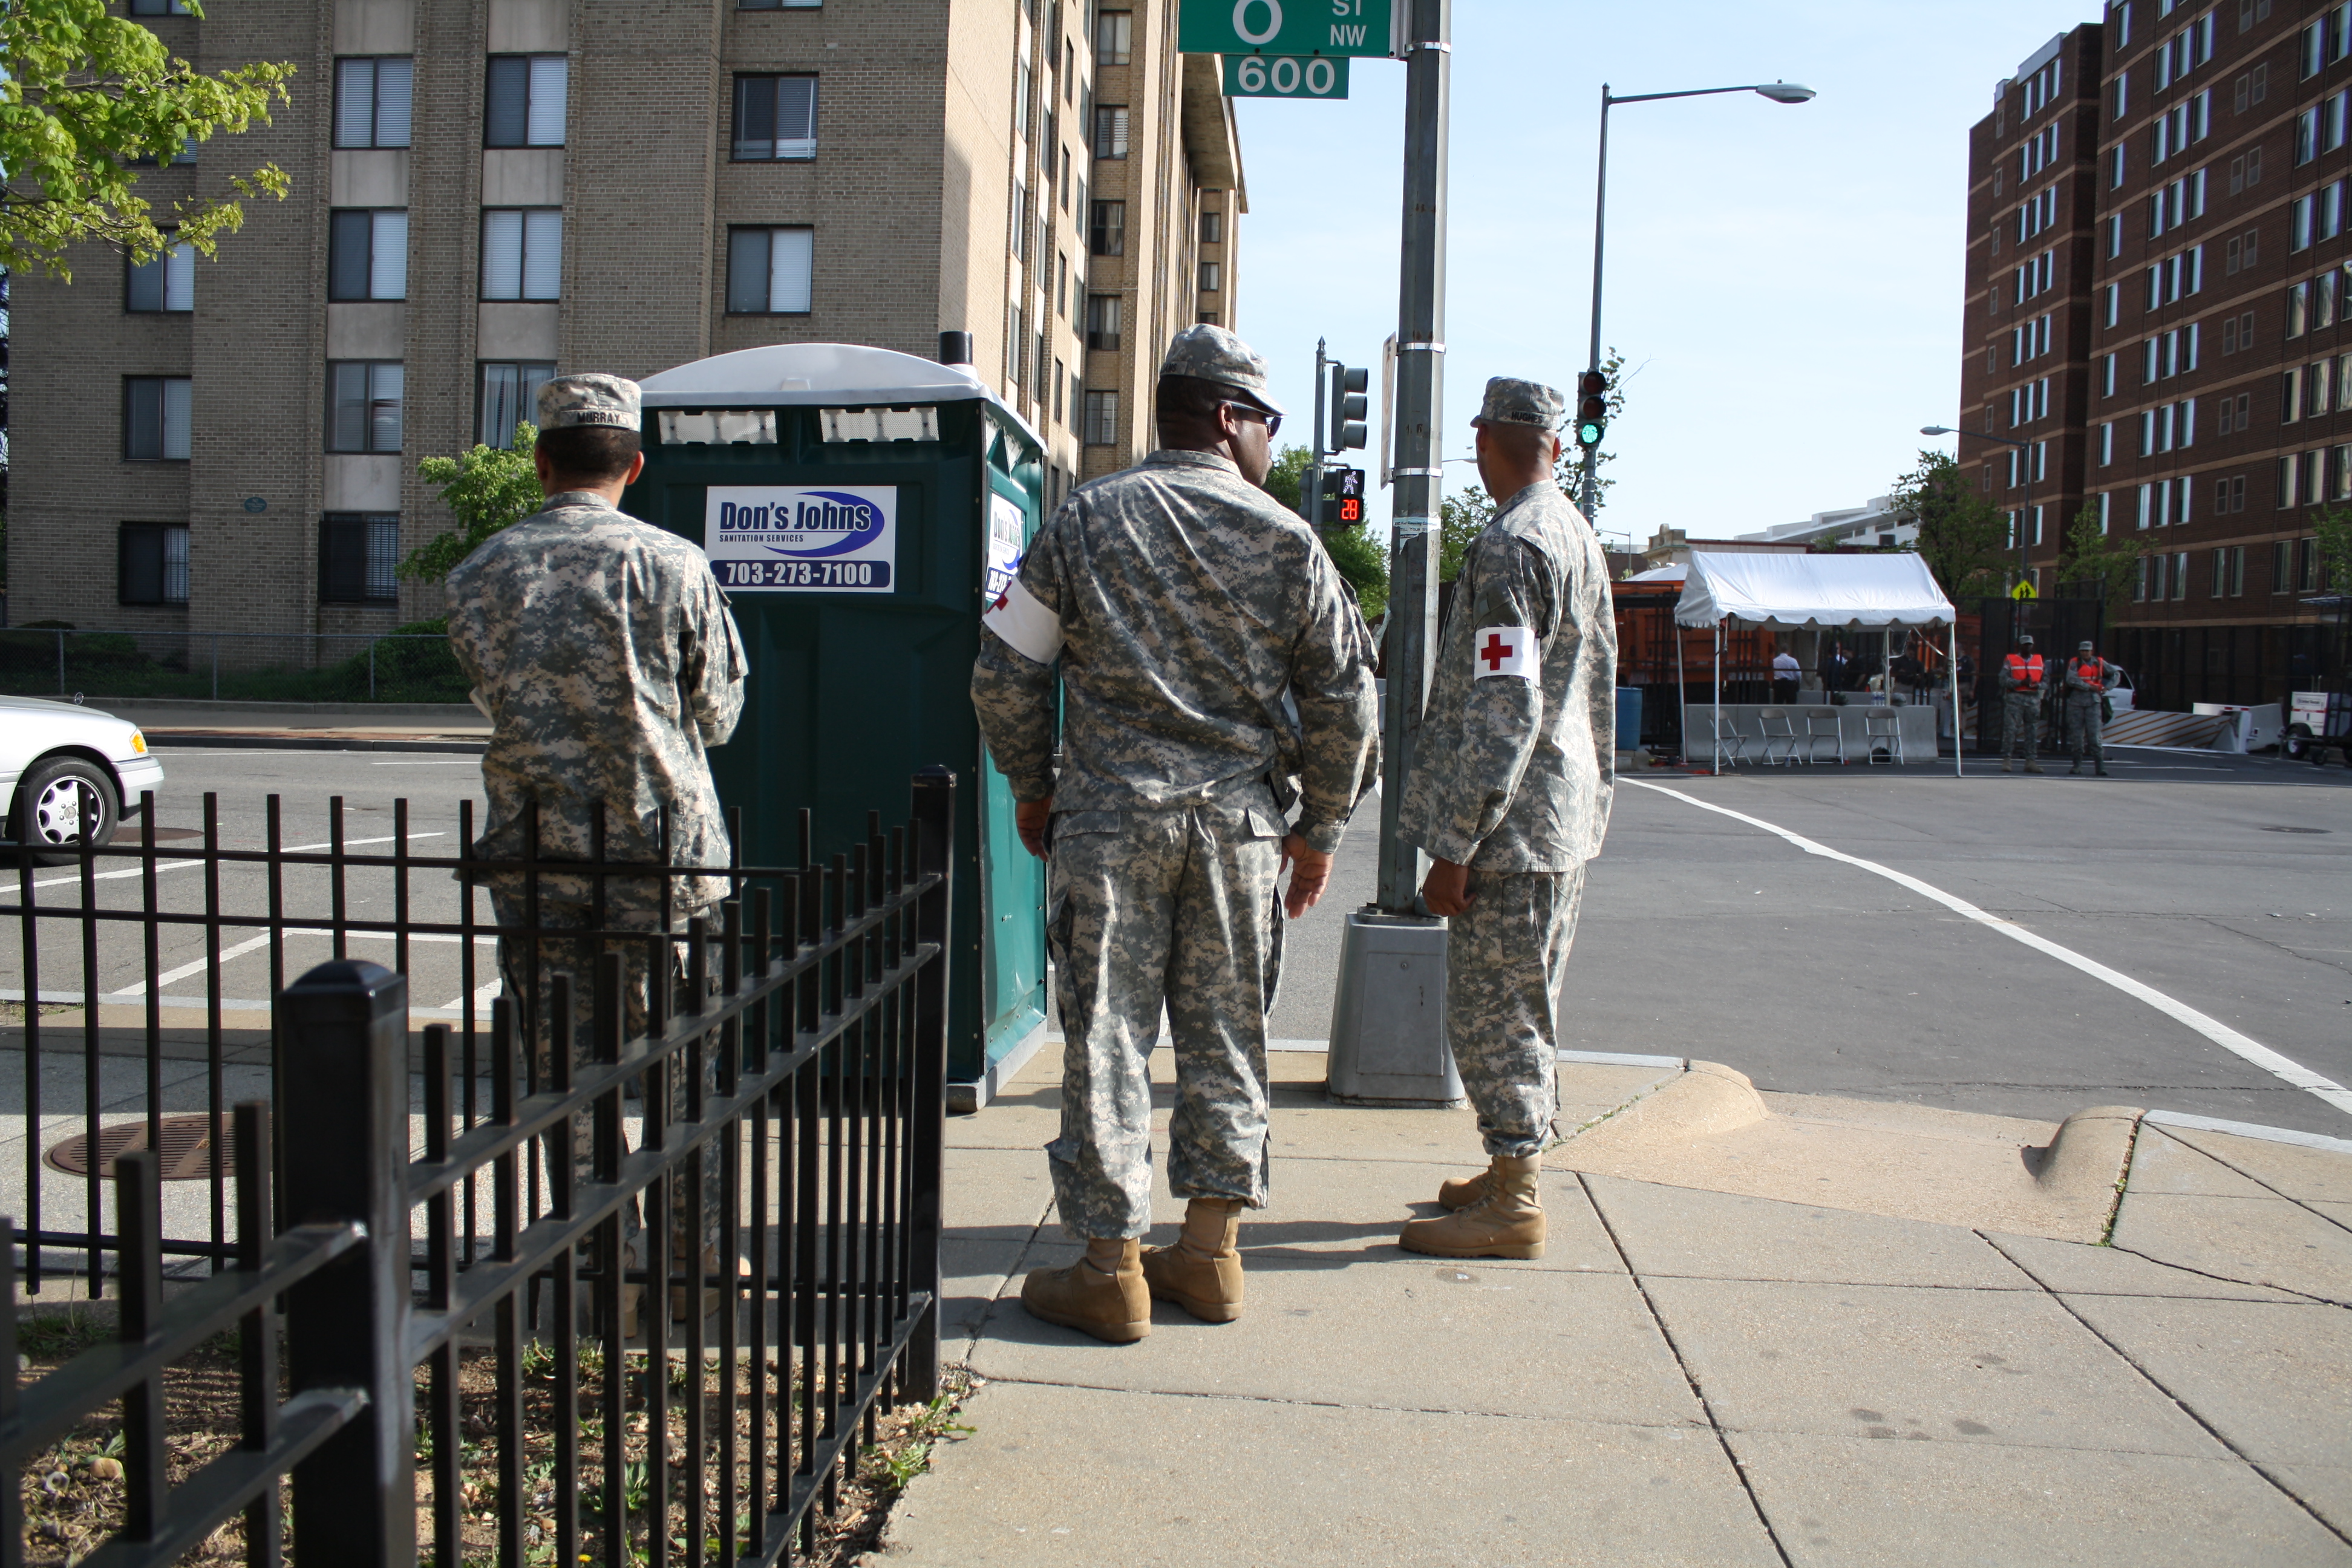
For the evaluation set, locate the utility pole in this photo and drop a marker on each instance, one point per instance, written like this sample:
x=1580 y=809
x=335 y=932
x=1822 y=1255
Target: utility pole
x=1310 y=492
x=1387 y=1023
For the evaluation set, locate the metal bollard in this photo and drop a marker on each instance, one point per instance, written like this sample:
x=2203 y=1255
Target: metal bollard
x=343 y=1059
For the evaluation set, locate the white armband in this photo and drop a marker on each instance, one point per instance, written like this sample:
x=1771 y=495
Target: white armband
x=1506 y=650
x=1027 y=627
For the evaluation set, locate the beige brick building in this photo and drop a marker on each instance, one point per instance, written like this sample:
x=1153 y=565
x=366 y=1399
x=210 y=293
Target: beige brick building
x=489 y=192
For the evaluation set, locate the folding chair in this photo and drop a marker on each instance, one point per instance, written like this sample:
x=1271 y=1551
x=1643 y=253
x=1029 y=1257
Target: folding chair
x=1883 y=729
x=1779 y=730
x=1822 y=726
x=1724 y=739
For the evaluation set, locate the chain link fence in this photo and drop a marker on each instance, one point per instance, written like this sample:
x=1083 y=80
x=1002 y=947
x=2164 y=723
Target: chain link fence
x=406 y=665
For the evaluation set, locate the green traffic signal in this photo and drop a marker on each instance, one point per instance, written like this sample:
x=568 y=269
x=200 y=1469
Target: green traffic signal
x=1588 y=432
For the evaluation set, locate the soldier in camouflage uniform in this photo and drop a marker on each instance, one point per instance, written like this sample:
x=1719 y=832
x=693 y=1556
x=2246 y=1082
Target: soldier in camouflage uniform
x=1510 y=794
x=1175 y=603
x=603 y=654
x=2023 y=681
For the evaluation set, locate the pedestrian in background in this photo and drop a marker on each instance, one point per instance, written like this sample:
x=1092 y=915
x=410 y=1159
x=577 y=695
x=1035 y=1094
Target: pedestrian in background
x=1174 y=605
x=1510 y=794
x=603 y=654
x=2021 y=688
x=2089 y=677
x=1786 y=674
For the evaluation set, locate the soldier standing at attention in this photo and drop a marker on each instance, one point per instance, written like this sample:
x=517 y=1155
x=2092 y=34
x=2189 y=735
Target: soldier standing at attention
x=1175 y=602
x=2021 y=685
x=603 y=654
x=2088 y=677
x=1510 y=794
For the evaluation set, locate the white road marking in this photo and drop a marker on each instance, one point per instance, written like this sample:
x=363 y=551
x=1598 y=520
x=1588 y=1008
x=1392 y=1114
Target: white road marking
x=2213 y=1029
x=483 y=997
x=183 y=865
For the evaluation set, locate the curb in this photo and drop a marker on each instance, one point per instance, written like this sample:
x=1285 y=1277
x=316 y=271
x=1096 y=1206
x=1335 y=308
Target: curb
x=310 y=742
x=2249 y=1130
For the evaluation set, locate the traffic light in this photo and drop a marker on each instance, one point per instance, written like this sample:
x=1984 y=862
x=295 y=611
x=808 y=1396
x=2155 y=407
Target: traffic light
x=1591 y=408
x=1349 y=405
x=1342 y=500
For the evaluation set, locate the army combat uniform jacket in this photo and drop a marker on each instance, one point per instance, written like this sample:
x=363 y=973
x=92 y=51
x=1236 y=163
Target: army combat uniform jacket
x=606 y=658
x=1517 y=755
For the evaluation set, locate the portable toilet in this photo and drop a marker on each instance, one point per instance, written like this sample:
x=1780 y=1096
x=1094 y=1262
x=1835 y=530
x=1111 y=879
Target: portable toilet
x=861 y=507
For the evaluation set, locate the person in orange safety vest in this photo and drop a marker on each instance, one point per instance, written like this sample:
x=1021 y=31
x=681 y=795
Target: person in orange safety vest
x=2021 y=685
x=2089 y=677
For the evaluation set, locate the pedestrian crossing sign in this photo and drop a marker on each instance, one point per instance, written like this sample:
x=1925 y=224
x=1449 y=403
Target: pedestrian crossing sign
x=2024 y=590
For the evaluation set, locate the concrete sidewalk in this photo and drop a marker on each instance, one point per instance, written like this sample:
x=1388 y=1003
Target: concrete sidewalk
x=298 y=726
x=1768 y=1328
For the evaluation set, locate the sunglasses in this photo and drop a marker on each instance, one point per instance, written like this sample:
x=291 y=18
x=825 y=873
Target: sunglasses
x=1273 y=421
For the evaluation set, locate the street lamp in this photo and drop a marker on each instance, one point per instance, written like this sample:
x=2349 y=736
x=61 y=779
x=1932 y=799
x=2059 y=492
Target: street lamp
x=2024 y=570
x=1777 y=92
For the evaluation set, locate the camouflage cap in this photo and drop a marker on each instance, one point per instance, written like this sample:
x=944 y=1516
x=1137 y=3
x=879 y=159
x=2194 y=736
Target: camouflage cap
x=2085 y=646
x=1510 y=401
x=570 y=401
x=1212 y=353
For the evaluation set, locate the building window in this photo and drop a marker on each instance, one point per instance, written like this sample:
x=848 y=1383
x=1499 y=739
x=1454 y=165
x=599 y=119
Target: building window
x=508 y=395
x=364 y=405
x=1057 y=391
x=2290 y=470
x=1016 y=345
x=1209 y=318
x=2306 y=568
x=1213 y=228
x=1106 y=235
x=2283 y=567
x=1102 y=419
x=770 y=271
x=1103 y=319
x=159 y=8
x=150 y=564
x=166 y=283
x=155 y=411
x=1212 y=276
x=1110 y=130
x=524 y=104
x=367 y=254
x=1114 y=37
x=371 y=102
x=522 y=253
x=775 y=117
x=357 y=554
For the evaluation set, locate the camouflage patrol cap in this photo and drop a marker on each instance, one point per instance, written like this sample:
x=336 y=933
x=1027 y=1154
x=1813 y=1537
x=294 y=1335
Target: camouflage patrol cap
x=1510 y=401
x=1211 y=354
x=571 y=401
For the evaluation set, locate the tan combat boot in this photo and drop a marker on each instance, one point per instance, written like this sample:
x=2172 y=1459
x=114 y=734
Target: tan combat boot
x=1460 y=1192
x=2032 y=766
x=1507 y=1223
x=1202 y=1272
x=1102 y=1294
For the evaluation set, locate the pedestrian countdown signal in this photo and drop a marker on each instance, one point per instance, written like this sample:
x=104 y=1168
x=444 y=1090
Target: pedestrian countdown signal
x=1342 y=500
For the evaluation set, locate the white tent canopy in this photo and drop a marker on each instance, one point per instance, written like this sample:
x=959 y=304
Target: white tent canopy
x=1785 y=589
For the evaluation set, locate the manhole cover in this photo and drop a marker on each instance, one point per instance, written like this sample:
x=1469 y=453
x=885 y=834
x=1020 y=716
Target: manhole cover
x=186 y=1156
x=2269 y=828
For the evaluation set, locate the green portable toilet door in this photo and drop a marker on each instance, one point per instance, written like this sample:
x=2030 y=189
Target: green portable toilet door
x=1012 y=960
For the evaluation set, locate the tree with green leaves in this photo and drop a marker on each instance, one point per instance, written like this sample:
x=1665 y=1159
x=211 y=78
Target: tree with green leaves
x=88 y=98
x=1462 y=517
x=1358 y=555
x=1569 y=469
x=2334 y=527
x=2109 y=561
x=488 y=490
x=1963 y=535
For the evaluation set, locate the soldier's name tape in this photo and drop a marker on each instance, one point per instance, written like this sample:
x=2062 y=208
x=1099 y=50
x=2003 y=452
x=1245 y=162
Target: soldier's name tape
x=1506 y=650
x=2284 y=1067
x=1027 y=627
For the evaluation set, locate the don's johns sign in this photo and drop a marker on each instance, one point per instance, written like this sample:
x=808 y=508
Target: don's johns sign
x=804 y=539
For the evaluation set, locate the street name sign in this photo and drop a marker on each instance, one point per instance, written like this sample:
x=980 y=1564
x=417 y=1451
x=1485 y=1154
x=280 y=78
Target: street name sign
x=1285 y=28
x=1285 y=75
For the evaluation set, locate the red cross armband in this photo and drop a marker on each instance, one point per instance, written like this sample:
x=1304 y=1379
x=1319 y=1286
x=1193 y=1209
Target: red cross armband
x=1027 y=627
x=1506 y=650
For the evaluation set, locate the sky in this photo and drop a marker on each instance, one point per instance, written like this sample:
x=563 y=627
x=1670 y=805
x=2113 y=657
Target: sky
x=1783 y=280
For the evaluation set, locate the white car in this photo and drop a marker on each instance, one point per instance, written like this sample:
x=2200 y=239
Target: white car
x=66 y=771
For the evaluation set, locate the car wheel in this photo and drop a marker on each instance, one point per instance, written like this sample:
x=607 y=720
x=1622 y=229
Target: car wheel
x=61 y=802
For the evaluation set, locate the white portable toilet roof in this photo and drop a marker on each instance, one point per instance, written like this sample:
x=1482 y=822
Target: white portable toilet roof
x=831 y=374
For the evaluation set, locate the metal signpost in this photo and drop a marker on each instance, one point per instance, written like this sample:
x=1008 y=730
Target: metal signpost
x=1388 y=1026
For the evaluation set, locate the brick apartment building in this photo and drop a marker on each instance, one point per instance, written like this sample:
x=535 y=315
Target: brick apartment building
x=2158 y=280
x=487 y=193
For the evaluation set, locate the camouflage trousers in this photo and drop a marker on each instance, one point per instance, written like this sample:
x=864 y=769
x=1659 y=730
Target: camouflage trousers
x=1149 y=907
x=1505 y=961
x=576 y=957
x=2022 y=711
x=2084 y=718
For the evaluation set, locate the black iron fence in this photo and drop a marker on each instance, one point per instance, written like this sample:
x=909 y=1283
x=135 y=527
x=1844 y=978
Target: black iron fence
x=782 y=1064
